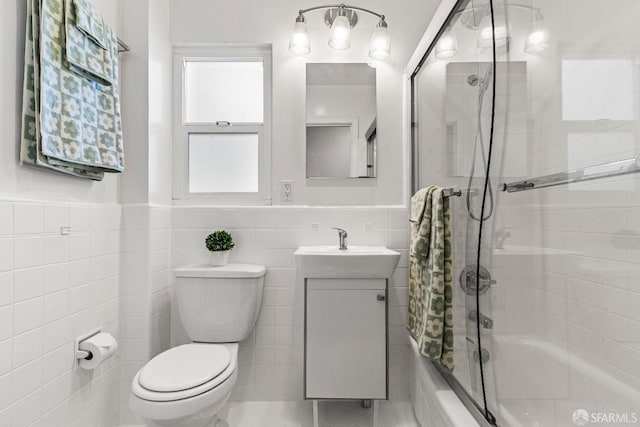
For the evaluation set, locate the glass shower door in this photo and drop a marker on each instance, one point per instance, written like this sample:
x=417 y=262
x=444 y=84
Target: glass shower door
x=452 y=124
x=562 y=244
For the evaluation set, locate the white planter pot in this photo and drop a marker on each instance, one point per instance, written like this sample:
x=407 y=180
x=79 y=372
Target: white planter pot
x=219 y=258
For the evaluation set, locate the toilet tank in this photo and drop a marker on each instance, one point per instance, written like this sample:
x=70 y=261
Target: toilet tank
x=219 y=304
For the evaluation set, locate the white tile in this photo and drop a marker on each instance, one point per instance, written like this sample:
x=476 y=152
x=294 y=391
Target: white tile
x=213 y=219
x=27 y=378
x=54 y=393
x=26 y=410
x=398 y=239
x=55 y=217
x=6 y=391
x=6 y=254
x=56 y=306
x=56 y=249
x=6 y=218
x=6 y=356
x=6 y=322
x=280 y=239
x=28 y=218
x=79 y=218
x=57 y=362
x=79 y=272
x=27 y=347
x=28 y=283
x=100 y=218
x=56 y=334
x=27 y=315
x=6 y=288
x=28 y=252
x=56 y=277
x=399 y=219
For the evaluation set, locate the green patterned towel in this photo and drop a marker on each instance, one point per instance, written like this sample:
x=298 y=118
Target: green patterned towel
x=30 y=151
x=70 y=123
x=91 y=23
x=430 y=276
x=84 y=55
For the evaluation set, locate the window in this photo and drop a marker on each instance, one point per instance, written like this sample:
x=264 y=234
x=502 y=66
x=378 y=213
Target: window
x=222 y=125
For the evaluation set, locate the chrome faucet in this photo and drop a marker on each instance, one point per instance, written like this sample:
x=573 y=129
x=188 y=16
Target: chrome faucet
x=342 y=234
x=501 y=235
x=485 y=321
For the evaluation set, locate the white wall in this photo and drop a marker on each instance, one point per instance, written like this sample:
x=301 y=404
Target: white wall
x=53 y=287
x=200 y=21
x=146 y=102
x=21 y=182
x=270 y=360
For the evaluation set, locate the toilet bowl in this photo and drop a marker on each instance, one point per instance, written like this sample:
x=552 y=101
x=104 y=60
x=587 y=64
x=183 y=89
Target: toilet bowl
x=187 y=385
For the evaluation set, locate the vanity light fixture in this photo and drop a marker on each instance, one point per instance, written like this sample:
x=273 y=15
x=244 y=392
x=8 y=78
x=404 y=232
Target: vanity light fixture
x=478 y=18
x=447 y=47
x=341 y=19
x=538 y=39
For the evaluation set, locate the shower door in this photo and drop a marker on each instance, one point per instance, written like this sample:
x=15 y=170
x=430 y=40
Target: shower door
x=531 y=109
x=452 y=111
x=564 y=242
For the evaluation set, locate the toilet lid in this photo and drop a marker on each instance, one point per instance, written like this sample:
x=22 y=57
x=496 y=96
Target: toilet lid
x=184 y=367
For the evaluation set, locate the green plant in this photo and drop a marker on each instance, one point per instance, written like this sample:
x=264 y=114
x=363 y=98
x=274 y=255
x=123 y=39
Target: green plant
x=219 y=241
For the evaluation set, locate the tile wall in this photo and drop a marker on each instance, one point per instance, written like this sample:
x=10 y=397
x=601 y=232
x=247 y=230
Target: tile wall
x=53 y=288
x=270 y=360
x=145 y=307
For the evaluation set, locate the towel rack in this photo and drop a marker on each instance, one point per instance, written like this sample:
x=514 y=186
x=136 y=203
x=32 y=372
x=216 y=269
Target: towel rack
x=454 y=191
x=450 y=192
x=621 y=167
x=122 y=46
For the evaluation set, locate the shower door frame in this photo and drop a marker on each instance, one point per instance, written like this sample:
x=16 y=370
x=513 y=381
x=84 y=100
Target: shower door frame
x=467 y=400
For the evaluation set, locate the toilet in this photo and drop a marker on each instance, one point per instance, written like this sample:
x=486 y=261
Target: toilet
x=187 y=385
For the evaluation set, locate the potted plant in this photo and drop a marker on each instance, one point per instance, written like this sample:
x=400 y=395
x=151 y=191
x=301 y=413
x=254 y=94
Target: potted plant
x=219 y=244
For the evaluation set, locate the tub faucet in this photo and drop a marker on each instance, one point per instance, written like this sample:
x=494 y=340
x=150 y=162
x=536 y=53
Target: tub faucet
x=485 y=321
x=501 y=235
x=342 y=234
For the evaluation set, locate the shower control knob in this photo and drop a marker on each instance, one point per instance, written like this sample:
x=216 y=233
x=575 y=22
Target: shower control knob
x=381 y=298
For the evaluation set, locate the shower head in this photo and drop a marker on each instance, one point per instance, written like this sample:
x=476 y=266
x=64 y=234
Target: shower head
x=473 y=80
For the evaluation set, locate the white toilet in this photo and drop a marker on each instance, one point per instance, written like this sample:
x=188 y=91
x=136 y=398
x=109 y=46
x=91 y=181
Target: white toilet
x=187 y=385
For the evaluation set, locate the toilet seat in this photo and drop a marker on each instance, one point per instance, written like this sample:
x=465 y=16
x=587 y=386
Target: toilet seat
x=183 y=372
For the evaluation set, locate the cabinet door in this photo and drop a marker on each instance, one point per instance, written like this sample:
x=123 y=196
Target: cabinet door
x=346 y=344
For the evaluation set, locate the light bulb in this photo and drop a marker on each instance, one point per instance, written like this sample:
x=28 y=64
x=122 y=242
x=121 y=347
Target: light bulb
x=485 y=35
x=340 y=34
x=447 y=47
x=380 y=47
x=538 y=39
x=299 y=43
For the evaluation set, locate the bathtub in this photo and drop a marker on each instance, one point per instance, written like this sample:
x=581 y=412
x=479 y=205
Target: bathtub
x=435 y=404
x=554 y=385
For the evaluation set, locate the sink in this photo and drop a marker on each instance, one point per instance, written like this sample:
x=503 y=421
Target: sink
x=355 y=262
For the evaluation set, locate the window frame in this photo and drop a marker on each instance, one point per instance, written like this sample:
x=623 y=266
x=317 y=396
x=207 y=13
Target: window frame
x=182 y=130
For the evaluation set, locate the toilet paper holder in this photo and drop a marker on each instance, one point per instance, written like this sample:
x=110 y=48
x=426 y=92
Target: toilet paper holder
x=81 y=354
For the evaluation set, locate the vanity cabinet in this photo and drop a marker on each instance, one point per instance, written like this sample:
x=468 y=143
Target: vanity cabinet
x=346 y=338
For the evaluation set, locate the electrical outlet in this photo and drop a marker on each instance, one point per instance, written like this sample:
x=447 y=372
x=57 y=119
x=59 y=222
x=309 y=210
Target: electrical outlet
x=286 y=191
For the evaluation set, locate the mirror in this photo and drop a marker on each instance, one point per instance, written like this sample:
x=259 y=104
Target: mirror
x=341 y=120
